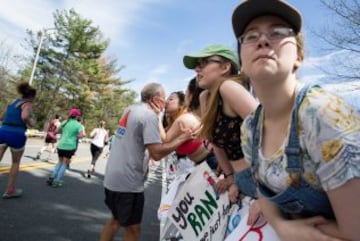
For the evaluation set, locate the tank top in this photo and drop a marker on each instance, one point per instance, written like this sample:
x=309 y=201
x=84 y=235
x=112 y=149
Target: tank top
x=226 y=133
x=12 y=119
x=189 y=147
x=52 y=127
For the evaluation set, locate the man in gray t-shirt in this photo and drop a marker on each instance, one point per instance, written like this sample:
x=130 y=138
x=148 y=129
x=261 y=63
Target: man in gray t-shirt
x=138 y=130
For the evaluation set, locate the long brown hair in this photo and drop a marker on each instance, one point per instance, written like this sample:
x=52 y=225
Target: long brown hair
x=182 y=109
x=208 y=120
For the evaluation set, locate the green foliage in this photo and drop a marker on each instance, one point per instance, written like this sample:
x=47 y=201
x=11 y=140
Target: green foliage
x=72 y=71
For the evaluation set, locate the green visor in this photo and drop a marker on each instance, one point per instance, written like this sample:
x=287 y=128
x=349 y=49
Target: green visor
x=191 y=60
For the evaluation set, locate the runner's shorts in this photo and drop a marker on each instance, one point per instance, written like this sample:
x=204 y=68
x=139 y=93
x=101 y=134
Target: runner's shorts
x=126 y=207
x=12 y=139
x=95 y=150
x=65 y=153
x=48 y=139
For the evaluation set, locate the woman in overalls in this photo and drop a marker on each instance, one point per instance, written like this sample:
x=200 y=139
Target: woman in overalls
x=302 y=143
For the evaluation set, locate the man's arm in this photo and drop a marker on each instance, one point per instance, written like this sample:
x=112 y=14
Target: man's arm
x=160 y=150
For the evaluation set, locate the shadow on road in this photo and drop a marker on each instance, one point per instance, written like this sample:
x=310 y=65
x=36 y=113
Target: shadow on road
x=73 y=212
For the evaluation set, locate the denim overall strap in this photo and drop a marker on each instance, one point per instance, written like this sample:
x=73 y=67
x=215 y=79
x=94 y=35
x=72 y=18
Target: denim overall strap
x=245 y=179
x=301 y=199
x=256 y=140
x=293 y=151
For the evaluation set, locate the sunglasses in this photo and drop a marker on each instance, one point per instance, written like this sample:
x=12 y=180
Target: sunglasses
x=202 y=63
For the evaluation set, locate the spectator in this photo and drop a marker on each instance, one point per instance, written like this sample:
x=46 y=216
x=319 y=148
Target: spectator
x=178 y=116
x=303 y=143
x=138 y=130
x=192 y=97
x=224 y=104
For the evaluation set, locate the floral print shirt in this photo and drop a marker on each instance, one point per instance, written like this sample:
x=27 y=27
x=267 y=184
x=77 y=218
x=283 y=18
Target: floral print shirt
x=329 y=134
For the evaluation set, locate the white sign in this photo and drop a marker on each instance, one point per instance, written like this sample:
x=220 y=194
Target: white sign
x=198 y=211
x=260 y=231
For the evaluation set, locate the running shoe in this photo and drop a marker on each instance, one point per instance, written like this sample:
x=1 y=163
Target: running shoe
x=50 y=181
x=57 y=183
x=16 y=193
x=88 y=174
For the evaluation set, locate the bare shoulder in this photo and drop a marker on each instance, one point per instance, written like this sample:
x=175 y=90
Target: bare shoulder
x=26 y=106
x=188 y=120
x=231 y=86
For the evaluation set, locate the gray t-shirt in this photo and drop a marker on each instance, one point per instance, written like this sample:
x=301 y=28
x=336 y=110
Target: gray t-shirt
x=138 y=127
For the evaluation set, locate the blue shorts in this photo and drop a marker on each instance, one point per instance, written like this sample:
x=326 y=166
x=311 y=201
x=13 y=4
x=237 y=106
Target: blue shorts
x=13 y=139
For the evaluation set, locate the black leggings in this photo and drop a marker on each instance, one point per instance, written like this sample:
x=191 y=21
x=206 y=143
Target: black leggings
x=95 y=152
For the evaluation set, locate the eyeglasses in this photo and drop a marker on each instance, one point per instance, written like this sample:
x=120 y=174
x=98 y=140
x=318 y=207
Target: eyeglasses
x=202 y=63
x=274 y=34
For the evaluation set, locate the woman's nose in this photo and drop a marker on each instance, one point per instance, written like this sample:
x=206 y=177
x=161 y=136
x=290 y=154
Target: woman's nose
x=263 y=41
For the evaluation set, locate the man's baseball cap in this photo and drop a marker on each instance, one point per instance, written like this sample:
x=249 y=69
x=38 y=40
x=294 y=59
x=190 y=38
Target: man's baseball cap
x=245 y=12
x=191 y=60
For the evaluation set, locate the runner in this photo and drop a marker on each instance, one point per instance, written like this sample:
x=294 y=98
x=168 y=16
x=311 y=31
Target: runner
x=15 y=121
x=50 y=138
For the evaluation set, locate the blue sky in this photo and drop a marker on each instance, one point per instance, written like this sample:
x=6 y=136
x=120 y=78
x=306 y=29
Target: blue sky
x=150 y=37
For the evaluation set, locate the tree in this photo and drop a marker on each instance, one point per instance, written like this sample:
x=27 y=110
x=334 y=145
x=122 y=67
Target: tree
x=343 y=36
x=72 y=71
x=7 y=79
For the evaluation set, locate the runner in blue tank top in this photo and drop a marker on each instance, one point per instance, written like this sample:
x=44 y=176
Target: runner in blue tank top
x=15 y=121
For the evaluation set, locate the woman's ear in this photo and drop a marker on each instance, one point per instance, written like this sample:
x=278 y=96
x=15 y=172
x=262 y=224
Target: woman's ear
x=226 y=68
x=298 y=62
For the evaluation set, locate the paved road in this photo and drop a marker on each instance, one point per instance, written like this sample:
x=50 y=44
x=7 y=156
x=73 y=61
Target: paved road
x=74 y=212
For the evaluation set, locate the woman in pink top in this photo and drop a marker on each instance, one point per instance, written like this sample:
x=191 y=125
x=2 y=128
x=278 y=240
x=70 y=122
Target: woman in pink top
x=178 y=116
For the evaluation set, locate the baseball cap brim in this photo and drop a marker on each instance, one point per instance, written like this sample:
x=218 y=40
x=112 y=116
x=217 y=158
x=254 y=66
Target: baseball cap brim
x=191 y=60
x=245 y=12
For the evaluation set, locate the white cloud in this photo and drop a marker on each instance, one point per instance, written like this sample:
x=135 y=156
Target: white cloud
x=33 y=14
x=317 y=69
x=312 y=72
x=123 y=20
x=321 y=61
x=159 y=70
x=114 y=18
x=344 y=87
